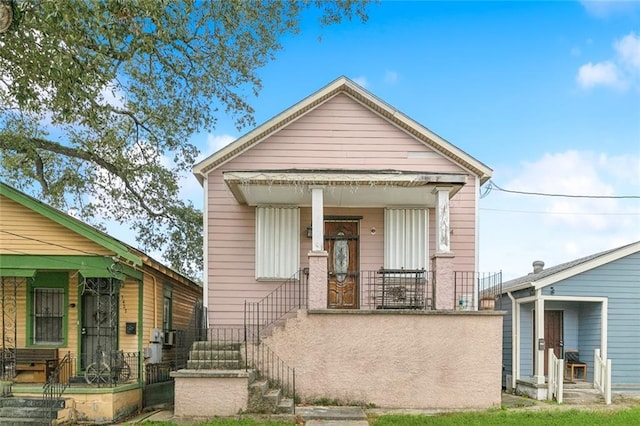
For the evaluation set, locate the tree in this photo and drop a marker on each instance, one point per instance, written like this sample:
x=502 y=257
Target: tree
x=98 y=100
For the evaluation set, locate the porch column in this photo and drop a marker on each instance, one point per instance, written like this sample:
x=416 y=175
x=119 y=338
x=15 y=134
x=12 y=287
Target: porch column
x=317 y=256
x=443 y=240
x=538 y=376
x=443 y=276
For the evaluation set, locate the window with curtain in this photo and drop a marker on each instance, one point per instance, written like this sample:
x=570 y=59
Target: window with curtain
x=277 y=242
x=406 y=236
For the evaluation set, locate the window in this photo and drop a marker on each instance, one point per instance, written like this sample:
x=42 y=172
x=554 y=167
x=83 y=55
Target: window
x=167 y=309
x=406 y=235
x=277 y=242
x=48 y=313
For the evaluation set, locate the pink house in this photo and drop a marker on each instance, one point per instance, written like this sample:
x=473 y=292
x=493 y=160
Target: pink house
x=343 y=235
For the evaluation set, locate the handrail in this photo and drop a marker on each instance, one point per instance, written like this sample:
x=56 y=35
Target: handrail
x=555 y=370
x=602 y=376
x=289 y=296
x=268 y=365
x=56 y=384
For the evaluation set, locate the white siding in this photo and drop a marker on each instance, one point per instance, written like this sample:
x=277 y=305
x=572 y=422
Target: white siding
x=277 y=242
x=405 y=240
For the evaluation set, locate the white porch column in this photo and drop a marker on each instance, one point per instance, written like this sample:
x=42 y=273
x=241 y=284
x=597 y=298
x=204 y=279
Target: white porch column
x=443 y=241
x=539 y=351
x=317 y=218
x=317 y=256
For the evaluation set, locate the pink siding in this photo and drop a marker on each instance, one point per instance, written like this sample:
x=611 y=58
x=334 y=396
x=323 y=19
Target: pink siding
x=340 y=133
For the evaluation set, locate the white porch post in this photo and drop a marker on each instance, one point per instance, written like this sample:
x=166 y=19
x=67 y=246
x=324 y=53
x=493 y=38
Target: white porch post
x=539 y=352
x=443 y=240
x=317 y=256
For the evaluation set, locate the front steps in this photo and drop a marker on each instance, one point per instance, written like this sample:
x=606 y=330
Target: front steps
x=16 y=411
x=263 y=399
x=581 y=394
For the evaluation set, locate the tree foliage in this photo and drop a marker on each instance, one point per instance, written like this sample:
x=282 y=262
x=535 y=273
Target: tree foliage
x=98 y=100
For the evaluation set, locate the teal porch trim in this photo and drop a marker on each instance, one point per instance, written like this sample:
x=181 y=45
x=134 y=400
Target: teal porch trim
x=88 y=266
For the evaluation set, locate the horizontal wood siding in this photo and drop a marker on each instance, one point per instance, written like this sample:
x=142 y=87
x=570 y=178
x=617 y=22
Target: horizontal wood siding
x=619 y=281
x=128 y=312
x=339 y=134
x=507 y=339
x=27 y=232
x=526 y=340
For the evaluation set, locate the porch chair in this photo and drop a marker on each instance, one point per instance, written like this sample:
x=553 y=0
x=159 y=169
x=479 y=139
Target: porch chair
x=573 y=366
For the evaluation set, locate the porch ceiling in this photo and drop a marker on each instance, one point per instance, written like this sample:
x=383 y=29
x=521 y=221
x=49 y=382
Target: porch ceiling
x=342 y=188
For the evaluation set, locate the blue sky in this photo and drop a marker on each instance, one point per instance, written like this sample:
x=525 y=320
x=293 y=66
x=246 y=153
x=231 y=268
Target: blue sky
x=545 y=93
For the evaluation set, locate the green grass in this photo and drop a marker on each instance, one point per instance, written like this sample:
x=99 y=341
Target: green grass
x=520 y=418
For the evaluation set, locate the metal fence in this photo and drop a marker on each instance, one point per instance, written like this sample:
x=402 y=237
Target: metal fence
x=477 y=290
x=397 y=289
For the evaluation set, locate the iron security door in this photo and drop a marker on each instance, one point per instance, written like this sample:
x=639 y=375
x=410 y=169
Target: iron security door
x=99 y=326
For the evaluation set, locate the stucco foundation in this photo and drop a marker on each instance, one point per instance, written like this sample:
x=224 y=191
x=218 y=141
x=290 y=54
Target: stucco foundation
x=406 y=359
x=211 y=393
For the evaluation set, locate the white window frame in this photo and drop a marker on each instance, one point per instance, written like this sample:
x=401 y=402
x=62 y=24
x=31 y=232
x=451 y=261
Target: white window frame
x=406 y=238
x=277 y=242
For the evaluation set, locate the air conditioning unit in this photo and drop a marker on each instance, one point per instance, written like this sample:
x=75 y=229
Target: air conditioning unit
x=169 y=338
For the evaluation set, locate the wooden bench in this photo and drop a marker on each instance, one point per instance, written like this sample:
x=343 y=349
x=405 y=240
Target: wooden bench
x=36 y=364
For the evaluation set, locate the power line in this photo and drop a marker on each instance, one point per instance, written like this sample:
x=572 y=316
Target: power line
x=560 y=213
x=492 y=185
x=49 y=243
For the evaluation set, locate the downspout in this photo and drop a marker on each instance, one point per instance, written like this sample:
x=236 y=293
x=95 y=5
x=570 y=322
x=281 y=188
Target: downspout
x=515 y=344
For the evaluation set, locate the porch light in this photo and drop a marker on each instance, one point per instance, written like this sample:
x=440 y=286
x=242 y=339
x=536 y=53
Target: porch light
x=309 y=232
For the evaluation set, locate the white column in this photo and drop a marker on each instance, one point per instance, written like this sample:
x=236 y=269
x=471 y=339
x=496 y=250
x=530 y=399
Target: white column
x=443 y=241
x=317 y=218
x=539 y=320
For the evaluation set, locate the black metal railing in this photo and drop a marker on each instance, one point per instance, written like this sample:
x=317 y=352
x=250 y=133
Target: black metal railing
x=113 y=368
x=158 y=373
x=269 y=366
x=397 y=289
x=287 y=298
x=477 y=290
x=57 y=383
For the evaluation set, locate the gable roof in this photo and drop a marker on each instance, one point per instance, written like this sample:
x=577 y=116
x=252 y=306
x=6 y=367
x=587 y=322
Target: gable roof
x=359 y=94
x=569 y=269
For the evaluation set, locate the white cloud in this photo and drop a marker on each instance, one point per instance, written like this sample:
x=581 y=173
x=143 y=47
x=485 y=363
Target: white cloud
x=215 y=143
x=599 y=74
x=620 y=72
x=518 y=229
x=607 y=8
x=391 y=77
x=361 y=81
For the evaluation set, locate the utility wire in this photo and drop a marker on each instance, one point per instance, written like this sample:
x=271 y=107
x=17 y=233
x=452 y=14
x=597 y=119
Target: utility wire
x=559 y=213
x=492 y=185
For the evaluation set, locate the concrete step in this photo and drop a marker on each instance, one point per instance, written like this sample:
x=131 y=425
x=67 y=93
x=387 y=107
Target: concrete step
x=10 y=421
x=582 y=396
x=285 y=406
x=214 y=364
x=215 y=345
x=273 y=396
x=214 y=355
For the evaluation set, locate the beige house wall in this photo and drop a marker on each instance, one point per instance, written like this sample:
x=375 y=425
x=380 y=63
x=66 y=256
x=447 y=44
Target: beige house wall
x=403 y=359
x=339 y=134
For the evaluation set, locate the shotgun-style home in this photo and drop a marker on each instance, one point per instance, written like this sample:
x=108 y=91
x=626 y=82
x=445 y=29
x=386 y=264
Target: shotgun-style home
x=343 y=235
x=585 y=312
x=89 y=324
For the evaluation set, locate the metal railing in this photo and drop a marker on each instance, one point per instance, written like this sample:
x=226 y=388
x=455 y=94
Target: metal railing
x=555 y=372
x=269 y=366
x=397 y=289
x=158 y=373
x=477 y=290
x=57 y=383
x=113 y=368
x=287 y=298
x=602 y=376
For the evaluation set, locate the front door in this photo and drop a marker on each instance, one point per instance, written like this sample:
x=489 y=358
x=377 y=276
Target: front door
x=341 y=243
x=99 y=320
x=553 y=329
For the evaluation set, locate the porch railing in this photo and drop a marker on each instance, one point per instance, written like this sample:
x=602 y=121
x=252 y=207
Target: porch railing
x=268 y=365
x=602 y=376
x=57 y=383
x=287 y=298
x=555 y=371
x=110 y=369
x=477 y=290
x=398 y=289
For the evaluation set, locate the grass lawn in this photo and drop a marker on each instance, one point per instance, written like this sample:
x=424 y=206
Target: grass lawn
x=629 y=416
x=625 y=416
